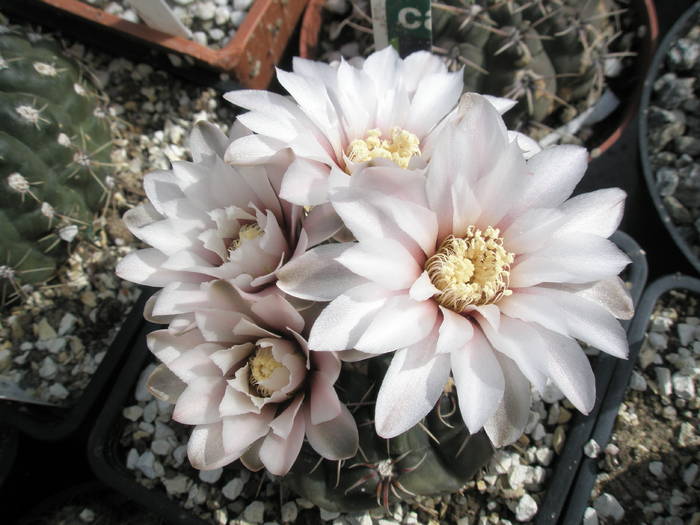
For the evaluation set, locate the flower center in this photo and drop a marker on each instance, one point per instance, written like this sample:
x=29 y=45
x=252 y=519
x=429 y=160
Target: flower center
x=262 y=365
x=245 y=234
x=399 y=148
x=472 y=270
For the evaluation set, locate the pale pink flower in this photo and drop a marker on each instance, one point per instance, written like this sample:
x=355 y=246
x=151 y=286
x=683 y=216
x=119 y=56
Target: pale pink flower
x=478 y=265
x=341 y=116
x=207 y=220
x=244 y=376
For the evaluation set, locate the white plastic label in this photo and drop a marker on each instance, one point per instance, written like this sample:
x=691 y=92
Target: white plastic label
x=158 y=15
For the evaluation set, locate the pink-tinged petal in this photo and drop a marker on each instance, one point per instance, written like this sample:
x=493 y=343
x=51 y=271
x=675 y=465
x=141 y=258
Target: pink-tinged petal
x=273 y=241
x=265 y=102
x=321 y=224
x=235 y=403
x=455 y=332
x=283 y=424
x=217 y=325
x=278 y=314
x=205 y=449
x=269 y=125
x=423 y=289
x=529 y=147
x=417 y=66
x=164 y=385
x=253 y=149
x=531 y=230
x=239 y=432
x=148 y=311
x=382 y=68
x=536 y=308
x=222 y=295
x=180 y=324
x=189 y=260
x=207 y=139
x=508 y=422
x=249 y=329
x=401 y=322
x=145 y=267
x=162 y=191
x=179 y=298
x=479 y=381
x=227 y=358
x=490 y=312
x=315 y=70
x=153 y=229
x=327 y=363
x=251 y=457
x=516 y=340
x=555 y=172
x=383 y=261
x=279 y=454
x=434 y=98
x=598 y=212
x=562 y=359
x=195 y=363
x=612 y=294
x=305 y=183
x=501 y=104
x=573 y=259
x=585 y=320
x=355 y=100
x=199 y=402
x=343 y=321
x=372 y=215
x=317 y=275
x=324 y=404
x=411 y=387
x=400 y=183
x=335 y=439
x=167 y=346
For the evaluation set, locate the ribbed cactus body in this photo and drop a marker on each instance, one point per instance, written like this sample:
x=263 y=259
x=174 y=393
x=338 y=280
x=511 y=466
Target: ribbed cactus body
x=437 y=458
x=549 y=55
x=54 y=149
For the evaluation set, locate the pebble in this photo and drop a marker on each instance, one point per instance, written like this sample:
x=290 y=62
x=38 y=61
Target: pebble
x=146 y=464
x=663 y=380
x=683 y=386
x=205 y=10
x=255 y=512
x=67 y=323
x=327 y=515
x=177 y=485
x=526 y=508
x=233 y=489
x=87 y=515
x=289 y=512
x=45 y=331
x=657 y=469
x=161 y=447
x=638 y=382
x=591 y=448
x=607 y=506
x=132 y=458
x=590 y=516
x=58 y=391
x=132 y=413
x=48 y=368
x=210 y=476
x=150 y=411
x=690 y=474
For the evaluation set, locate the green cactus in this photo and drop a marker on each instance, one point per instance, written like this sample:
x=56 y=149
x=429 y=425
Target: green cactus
x=436 y=456
x=55 y=146
x=549 y=55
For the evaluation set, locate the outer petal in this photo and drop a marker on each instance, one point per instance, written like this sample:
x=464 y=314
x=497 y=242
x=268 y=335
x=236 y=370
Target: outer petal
x=205 y=449
x=335 y=439
x=199 y=402
x=278 y=454
x=612 y=294
x=411 y=387
x=317 y=275
x=479 y=381
x=145 y=267
x=598 y=212
x=455 y=331
x=239 y=432
x=305 y=183
x=510 y=418
x=324 y=404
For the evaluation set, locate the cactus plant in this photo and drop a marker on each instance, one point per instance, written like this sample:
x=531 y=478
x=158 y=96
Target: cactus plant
x=54 y=147
x=552 y=56
x=438 y=455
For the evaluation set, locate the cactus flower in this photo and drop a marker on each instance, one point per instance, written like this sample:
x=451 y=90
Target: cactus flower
x=245 y=378
x=480 y=266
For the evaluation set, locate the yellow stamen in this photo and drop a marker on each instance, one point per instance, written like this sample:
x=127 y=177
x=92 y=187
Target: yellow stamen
x=399 y=149
x=246 y=233
x=472 y=270
x=262 y=365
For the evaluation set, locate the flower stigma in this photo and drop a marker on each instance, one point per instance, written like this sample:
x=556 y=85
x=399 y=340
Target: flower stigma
x=262 y=366
x=400 y=148
x=245 y=234
x=471 y=270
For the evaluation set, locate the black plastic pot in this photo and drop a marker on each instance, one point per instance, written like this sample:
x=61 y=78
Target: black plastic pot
x=111 y=508
x=108 y=461
x=9 y=439
x=677 y=30
x=580 y=430
x=581 y=492
x=104 y=454
x=47 y=423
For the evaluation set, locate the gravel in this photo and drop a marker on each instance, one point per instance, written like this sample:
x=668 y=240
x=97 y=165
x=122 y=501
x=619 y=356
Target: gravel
x=212 y=22
x=674 y=127
x=653 y=474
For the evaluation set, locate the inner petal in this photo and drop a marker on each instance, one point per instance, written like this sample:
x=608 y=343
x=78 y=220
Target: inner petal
x=470 y=270
x=400 y=147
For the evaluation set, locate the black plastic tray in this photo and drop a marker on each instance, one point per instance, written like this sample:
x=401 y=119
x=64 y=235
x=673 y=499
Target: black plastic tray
x=585 y=479
x=47 y=423
x=9 y=438
x=108 y=462
x=678 y=28
x=580 y=430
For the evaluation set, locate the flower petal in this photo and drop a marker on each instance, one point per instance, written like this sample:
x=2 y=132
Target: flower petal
x=241 y=431
x=455 y=332
x=508 y=422
x=335 y=439
x=598 y=212
x=278 y=454
x=324 y=404
x=305 y=183
x=199 y=402
x=205 y=448
x=423 y=289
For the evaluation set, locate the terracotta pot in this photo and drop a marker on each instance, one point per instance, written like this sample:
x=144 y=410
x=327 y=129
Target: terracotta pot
x=250 y=55
x=614 y=125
